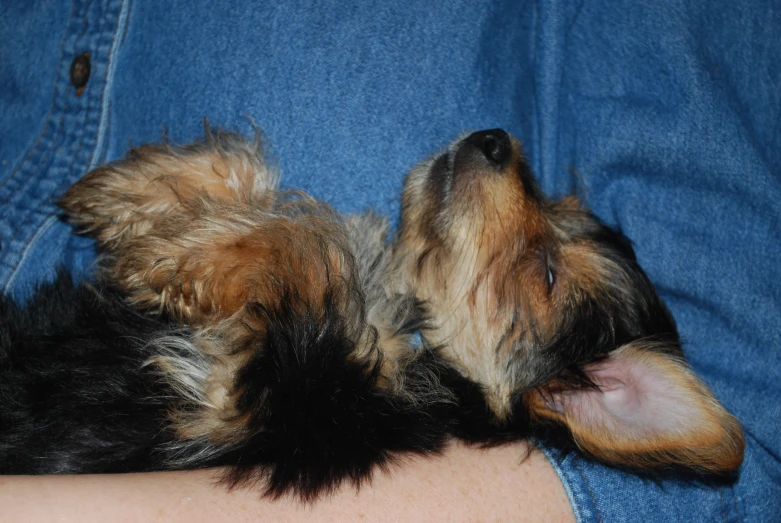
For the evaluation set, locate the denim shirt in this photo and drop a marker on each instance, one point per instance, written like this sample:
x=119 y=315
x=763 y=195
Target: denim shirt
x=665 y=116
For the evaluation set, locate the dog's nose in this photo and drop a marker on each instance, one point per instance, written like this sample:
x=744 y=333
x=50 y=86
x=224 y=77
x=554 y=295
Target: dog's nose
x=494 y=144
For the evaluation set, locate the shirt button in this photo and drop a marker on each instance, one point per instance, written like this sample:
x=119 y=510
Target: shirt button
x=80 y=69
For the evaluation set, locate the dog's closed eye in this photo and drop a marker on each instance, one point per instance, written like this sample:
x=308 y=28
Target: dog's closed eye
x=553 y=290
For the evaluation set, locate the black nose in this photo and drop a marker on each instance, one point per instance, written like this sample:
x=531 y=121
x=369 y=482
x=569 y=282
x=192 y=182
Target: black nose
x=494 y=144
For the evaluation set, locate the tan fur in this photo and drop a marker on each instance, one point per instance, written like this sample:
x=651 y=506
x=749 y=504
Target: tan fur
x=124 y=199
x=476 y=248
x=482 y=276
x=489 y=273
x=202 y=232
x=206 y=267
x=711 y=441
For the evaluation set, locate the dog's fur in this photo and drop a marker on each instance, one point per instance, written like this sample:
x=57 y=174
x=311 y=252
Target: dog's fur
x=292 y=363
x=280 y=338
x=548 y=315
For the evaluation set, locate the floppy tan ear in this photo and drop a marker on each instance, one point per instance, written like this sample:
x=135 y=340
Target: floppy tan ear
x=649 y=411
x=124 y=199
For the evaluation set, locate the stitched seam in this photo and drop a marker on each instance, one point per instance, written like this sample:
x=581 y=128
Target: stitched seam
x=84 y=24
x=29 y=217
x=735 y=502
x=44 y=160
x=65 y=181
x=107 y=82
x=23 y=253
x=51 y=105
x=85 y=118
x=721 y=502
x=35 y=233
x=64 y=111
x=590 y=492
x=44 y=225
x=65 y=107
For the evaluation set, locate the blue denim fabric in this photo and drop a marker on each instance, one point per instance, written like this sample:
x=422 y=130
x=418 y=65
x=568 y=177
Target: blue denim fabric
x=665 y=116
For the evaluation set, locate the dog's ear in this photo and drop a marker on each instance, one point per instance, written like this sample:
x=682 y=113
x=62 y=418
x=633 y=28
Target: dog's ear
x=124 y=199
x=647 y=411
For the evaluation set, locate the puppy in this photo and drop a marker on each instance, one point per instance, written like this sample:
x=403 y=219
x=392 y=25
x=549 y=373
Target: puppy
x=551 y=326
x=267 y=342
x=280 y=338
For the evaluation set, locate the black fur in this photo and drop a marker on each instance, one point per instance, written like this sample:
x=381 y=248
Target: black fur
x=77 y=397
x=593 y=327
x=317 y=413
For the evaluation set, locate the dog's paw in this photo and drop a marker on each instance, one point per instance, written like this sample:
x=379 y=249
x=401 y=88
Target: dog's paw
x=154 y=182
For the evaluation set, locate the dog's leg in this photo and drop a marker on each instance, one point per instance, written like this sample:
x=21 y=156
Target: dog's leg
x=123 y=200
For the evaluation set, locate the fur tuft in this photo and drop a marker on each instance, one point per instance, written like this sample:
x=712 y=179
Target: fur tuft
x=313 y=412
x=551 y=327
x=75 y=396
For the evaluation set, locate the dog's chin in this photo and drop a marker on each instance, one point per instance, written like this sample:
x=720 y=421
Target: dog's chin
x=439 y=180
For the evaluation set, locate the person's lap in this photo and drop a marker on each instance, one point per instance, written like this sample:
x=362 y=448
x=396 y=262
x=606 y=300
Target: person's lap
x=663 y=116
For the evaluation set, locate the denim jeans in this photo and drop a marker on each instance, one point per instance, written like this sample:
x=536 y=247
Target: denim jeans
x=665 y=116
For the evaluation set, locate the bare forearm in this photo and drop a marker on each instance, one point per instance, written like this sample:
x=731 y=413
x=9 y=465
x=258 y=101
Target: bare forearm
x=462 y=485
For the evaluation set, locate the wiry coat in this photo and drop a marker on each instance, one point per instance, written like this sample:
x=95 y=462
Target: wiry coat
x=269 y=342
x=280 y=338
x=550 y=323
x=77 y=396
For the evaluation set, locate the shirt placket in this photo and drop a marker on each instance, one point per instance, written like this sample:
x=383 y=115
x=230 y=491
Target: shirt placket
x=69 y=140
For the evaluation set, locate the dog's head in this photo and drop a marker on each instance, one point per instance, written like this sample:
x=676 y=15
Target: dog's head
x=539 y=302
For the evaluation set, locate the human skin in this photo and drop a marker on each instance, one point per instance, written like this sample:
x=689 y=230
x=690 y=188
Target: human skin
x=463 y=484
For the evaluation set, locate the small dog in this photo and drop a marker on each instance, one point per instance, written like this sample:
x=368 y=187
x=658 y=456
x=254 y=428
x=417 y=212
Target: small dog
x=269 y=341
x=281 y=339
x=547 y=314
